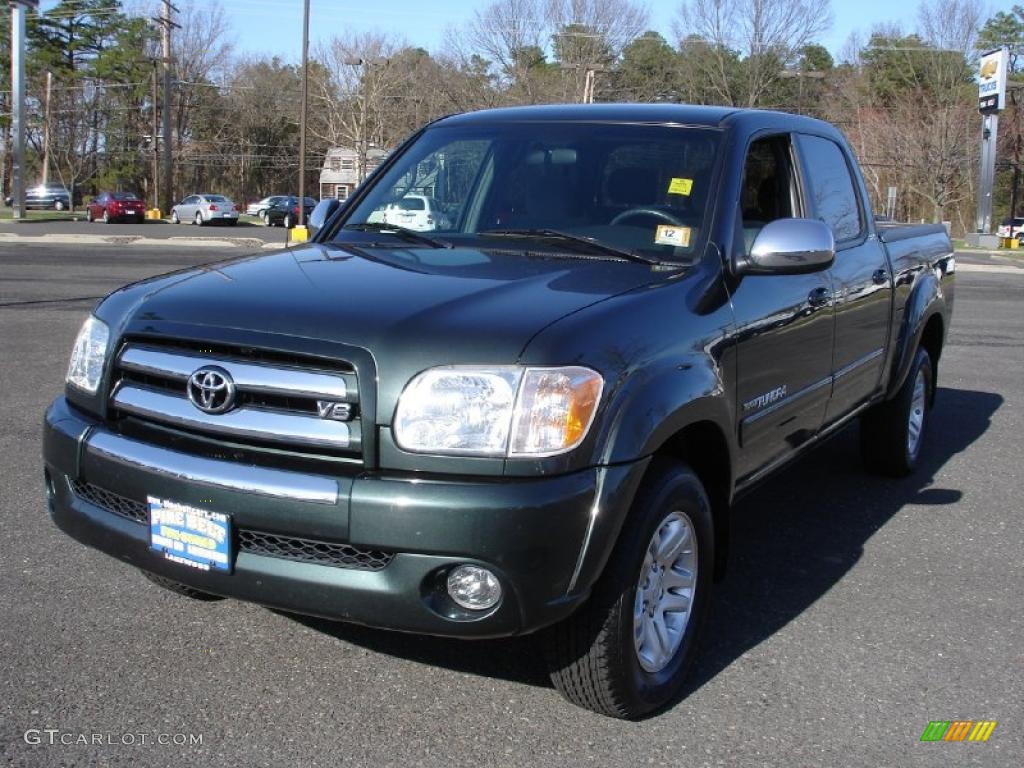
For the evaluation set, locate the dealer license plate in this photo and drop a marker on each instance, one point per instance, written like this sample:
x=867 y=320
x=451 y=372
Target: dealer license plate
x=190 y=536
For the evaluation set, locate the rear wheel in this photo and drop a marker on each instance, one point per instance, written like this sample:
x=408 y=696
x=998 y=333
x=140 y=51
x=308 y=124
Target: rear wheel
x=626 y=652
x=265 y=217
x=199 y=219
x=58 y=205
x=288 y=221
x=174 y=218
x=892 y=433
x=88 y=215
x=179 y=589
x=106 y=216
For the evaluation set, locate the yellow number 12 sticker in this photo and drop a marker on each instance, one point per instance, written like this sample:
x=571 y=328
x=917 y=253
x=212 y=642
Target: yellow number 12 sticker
x=677 y=236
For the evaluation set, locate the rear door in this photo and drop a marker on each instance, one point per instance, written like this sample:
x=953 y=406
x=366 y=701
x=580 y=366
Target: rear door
x=785 y=322
x=861 y=274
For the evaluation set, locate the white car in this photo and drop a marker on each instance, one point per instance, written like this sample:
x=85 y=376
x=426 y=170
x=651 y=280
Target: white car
x=417 y=212
x=260 y=207
x=1018 y=228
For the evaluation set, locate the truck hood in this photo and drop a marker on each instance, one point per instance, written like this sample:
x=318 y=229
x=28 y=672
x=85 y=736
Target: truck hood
x=409 y=308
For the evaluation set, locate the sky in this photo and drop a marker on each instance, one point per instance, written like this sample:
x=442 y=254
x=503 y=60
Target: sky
x=275 y=26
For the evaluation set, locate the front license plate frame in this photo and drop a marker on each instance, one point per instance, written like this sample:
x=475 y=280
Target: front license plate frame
x=190 y=536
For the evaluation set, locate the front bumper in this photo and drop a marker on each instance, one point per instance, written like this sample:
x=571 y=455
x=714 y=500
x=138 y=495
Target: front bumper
x=545 y=538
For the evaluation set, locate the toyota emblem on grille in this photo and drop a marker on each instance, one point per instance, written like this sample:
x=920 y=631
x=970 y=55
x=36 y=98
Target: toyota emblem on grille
x=211 y=390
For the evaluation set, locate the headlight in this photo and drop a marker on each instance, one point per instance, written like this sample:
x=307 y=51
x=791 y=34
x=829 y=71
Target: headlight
x=502 y=411
x=88 y=356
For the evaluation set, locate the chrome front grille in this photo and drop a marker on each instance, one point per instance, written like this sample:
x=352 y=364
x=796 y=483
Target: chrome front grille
x=277 y=401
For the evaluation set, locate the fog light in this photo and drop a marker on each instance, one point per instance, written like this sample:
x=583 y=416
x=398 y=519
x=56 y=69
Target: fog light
x=474 y=587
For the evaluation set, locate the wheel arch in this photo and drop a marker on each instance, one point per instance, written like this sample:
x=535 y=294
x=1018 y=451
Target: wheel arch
x=704 y=447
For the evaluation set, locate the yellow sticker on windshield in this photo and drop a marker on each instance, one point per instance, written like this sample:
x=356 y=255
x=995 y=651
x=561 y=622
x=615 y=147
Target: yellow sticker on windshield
x=677 y=236
x=680 y=186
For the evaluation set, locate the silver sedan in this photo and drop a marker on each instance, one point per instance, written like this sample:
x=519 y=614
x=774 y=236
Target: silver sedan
x=205 y=209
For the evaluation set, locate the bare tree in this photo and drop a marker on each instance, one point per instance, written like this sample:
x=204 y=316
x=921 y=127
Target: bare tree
x=767 y=34
x=591 y=34
x=352 y=96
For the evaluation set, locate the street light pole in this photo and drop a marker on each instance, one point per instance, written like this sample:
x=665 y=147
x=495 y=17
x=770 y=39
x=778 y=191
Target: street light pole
x=302 y=115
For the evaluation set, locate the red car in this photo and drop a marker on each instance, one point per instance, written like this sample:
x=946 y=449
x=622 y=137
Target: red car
x=111 y=206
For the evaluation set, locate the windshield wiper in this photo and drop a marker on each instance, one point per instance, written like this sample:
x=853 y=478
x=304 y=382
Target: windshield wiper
x=567 y=237
x=410 y=235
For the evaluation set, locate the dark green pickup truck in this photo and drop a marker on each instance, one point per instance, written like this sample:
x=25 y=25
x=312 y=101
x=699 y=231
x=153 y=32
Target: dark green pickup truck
x=528 y=408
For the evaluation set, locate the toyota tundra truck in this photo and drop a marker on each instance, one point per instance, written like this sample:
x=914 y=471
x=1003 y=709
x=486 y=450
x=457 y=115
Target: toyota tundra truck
x=532 y=417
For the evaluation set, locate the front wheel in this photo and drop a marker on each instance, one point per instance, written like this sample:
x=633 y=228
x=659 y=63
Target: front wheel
x=626 y=652
x=892 y=433
x=58 y=205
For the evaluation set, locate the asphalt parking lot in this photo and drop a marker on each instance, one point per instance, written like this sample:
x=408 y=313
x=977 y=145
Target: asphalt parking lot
x=67 y=226
x=856 y=609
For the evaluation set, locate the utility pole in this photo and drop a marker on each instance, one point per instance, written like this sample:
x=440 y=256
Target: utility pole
x=46 y=128
x=166 y=25
x=18 y=9
x=302 y=116
x=156 y=147
x=589 y=79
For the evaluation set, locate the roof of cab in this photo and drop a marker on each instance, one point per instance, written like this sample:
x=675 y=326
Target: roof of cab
x=674 y=114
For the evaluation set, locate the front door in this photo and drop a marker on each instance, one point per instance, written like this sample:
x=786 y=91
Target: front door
x=785 y=324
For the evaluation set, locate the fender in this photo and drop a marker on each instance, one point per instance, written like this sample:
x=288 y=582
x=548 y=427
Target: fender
x=648 y=411
x=926 y=300
x=654 y=405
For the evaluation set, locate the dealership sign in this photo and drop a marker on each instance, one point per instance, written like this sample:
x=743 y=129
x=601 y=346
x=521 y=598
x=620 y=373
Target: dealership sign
x=992 y=81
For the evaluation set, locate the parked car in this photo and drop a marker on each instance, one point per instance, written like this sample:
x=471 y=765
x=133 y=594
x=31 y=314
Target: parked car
x=285 y=212
x=260 y=207
x=46 y=196
x=113 y=206
x=205 y=209
x=533 y=421
x=417 y=212
x=1011 y=228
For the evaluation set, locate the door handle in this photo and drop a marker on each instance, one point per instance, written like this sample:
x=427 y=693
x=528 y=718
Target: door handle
x=880 y=277
x=819 y=297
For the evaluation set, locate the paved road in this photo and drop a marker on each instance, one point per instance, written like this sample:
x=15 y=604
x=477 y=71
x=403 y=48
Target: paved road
x=247 y=227
x=856 y=610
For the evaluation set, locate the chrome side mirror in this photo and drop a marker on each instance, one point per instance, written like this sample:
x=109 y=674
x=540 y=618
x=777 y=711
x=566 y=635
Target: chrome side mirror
x=321 y=213
x=790 y=247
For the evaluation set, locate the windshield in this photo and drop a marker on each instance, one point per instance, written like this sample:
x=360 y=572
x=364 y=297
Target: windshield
x=638 y=188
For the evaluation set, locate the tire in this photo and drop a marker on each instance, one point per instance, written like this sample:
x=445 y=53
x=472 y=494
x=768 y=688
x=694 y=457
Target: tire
x=106 y=217
x=892 y=433
x=592 y=656
x=58 y=205
x=264 y=217
x=288 y=222
x=88 y=216
x=180 y=589
x=174 y=218
x=199 y=219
